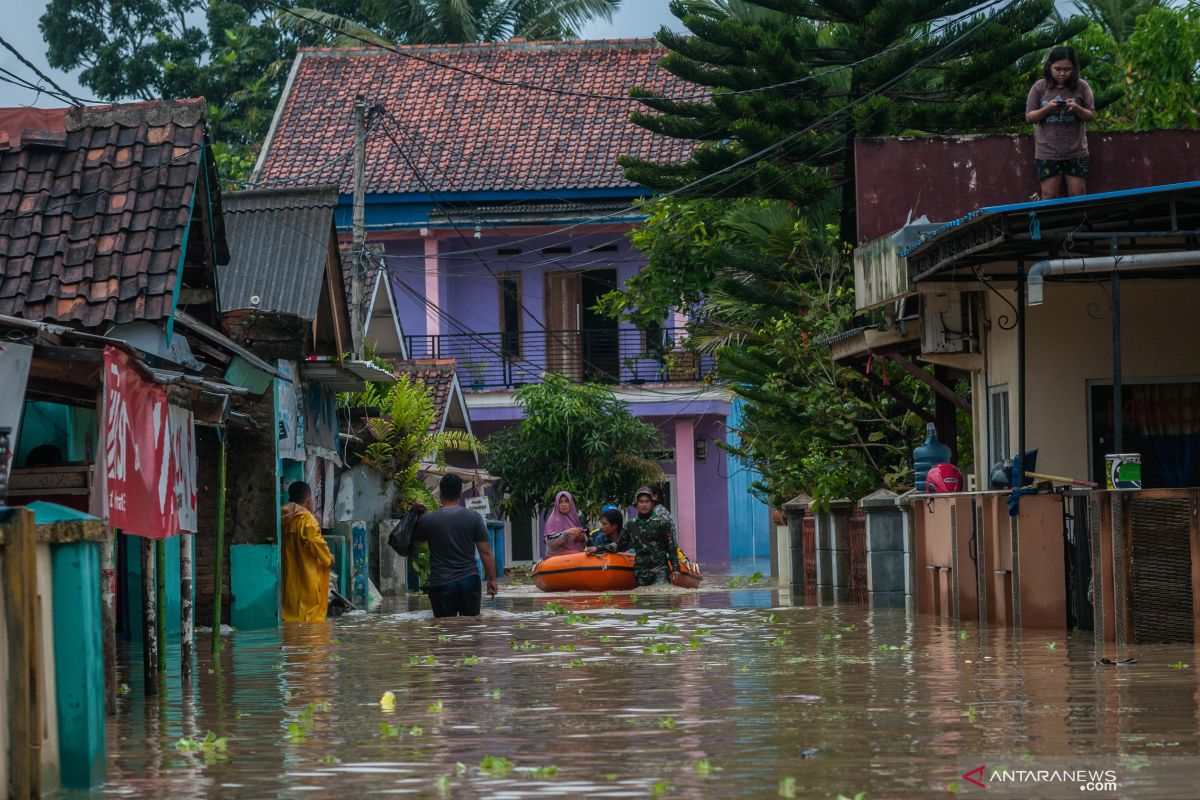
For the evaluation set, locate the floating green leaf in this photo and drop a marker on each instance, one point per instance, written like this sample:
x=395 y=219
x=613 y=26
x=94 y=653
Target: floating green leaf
x=787 y=787
x=443 y=638
x=443 y=784
x=544 y=772
x=643 y=619
x=555 y=609
x=387 y=731
x=496 y=766
x=436 y=707
x=666 y=722
x=329 y=759
x=416 y=730
x=468 y=661
x=705 y=767
x=1179 y=665
x=123 y=688
x=494 y=694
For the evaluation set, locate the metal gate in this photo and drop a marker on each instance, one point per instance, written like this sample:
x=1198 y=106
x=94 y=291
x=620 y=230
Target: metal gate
x=1077 y=552
x=808 y=533
x=1160 y=570
x=857 y=530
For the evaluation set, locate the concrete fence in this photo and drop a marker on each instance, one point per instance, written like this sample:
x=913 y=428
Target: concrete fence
x=847 y=552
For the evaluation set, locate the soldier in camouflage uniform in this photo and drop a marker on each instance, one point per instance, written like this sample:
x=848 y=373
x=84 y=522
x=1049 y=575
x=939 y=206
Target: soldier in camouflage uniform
x=652 y=539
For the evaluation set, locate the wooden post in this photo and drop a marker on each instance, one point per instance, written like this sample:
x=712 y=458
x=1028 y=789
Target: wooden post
x=219 y=567
x=358 y=227
x=149 y=620
x=186 y=609
x=23 y=625
x=160 y=600
x=108 y=608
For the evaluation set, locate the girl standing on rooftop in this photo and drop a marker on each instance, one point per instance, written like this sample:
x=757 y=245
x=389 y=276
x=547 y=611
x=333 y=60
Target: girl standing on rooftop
x=1059 y=105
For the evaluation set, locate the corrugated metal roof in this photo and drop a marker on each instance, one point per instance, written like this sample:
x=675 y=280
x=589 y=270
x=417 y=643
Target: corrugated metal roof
x=1038 y=205
x=278 y=243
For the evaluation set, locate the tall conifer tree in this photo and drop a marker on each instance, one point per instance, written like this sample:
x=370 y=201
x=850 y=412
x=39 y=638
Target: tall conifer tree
x=795 y=81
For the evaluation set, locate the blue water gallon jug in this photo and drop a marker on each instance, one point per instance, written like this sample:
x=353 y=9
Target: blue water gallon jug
x=927 y=456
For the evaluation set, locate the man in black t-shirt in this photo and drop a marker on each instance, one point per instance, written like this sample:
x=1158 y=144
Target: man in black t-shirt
x=454 y=534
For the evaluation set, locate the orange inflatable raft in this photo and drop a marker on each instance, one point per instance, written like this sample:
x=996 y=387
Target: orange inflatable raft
x=688 y=576
x=605 y=572
x=601 y=572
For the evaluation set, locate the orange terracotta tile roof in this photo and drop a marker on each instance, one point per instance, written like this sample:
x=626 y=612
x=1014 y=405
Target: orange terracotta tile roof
x=93 y=215
x=464 y=133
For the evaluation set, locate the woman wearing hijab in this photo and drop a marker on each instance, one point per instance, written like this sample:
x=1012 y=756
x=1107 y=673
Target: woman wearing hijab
x=562 y=533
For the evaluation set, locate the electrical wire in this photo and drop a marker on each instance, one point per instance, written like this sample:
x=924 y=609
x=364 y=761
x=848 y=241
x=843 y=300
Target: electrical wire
x=410 y=53
x=62 y=93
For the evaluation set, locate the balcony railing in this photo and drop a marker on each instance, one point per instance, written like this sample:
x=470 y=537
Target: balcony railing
x=505 y=360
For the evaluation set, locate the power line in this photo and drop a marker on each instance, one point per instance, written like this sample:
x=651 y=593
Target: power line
x=451 y=67
x=61 y=91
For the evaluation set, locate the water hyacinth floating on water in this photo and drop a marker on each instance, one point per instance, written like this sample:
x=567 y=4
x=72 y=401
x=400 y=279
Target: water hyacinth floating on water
x=496 y=766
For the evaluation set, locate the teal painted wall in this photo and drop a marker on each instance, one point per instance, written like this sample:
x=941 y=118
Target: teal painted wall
x=254 y=584
x=78 y=663
x=131 y=575
x=72 y=430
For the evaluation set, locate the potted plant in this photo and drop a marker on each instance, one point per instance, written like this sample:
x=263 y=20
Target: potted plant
x=681 y=365
x=478 y=372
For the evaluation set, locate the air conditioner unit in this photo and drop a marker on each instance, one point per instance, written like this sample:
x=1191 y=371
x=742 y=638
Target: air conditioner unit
x=949 y=322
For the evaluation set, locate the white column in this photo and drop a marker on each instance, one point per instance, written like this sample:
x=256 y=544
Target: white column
x=685 y=485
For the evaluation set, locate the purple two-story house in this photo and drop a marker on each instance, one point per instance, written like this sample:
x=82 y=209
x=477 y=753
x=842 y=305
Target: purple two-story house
x=495 y=203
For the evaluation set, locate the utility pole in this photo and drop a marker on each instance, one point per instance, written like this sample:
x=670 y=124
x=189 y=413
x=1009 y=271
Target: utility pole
x=359 y=234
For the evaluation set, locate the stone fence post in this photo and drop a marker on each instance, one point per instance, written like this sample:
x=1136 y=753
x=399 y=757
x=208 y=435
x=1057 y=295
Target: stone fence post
x=886 y=562
x=833 y=553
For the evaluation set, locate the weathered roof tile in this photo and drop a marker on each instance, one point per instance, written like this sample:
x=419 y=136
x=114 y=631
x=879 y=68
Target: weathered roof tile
x=467 y=134
x=81 y=236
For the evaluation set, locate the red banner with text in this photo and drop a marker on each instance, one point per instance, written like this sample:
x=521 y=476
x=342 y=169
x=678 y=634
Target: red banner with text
x=140 y=486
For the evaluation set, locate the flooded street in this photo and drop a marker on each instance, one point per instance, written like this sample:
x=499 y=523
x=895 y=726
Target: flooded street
x=720 y=693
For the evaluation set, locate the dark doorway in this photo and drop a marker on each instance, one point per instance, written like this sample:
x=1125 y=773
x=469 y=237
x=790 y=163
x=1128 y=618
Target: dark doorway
x=601 y=345
x=522 y=539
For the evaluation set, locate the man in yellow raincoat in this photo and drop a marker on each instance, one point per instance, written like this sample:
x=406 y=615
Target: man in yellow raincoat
x=306 y=559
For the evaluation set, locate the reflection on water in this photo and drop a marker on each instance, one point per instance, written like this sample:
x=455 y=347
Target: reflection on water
x=625 y=696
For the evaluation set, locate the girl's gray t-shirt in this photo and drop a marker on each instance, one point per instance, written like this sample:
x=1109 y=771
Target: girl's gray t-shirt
x=1062 y=135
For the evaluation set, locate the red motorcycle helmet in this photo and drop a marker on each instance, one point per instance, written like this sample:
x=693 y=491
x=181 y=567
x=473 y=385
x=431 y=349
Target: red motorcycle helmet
x=943 y=479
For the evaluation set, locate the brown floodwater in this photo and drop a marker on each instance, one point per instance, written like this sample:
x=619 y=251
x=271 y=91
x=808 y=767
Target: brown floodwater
x=717 y=693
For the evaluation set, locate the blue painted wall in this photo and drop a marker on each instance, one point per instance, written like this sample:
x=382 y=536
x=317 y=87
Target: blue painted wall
x=749 y=517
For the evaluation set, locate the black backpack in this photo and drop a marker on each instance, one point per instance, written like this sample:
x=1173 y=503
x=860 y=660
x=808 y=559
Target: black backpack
x=401 y=537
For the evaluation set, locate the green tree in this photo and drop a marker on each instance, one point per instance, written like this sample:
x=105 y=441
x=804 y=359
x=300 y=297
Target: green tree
x=404 y=442
x=793 y=82
x=442 y=21
x=573 y=437
x=1117 y=18
x=772 y=282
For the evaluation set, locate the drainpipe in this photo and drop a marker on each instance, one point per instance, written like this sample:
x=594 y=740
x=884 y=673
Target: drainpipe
x=1112 y=263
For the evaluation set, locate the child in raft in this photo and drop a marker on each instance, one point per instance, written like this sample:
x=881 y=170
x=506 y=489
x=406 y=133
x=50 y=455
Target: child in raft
x=611 y=522
x=652 y=539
